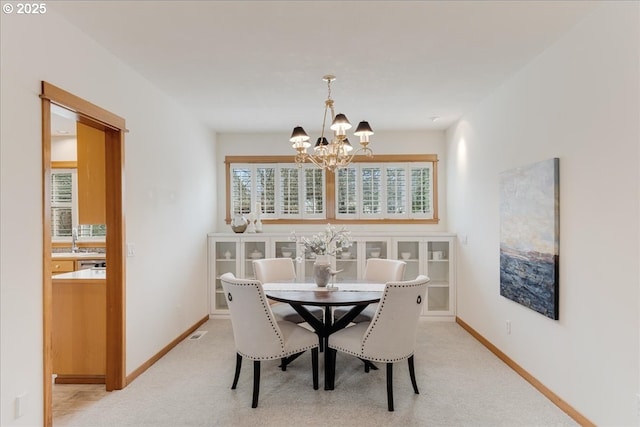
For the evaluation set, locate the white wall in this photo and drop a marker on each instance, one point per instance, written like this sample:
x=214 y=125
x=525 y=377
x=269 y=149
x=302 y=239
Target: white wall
x=64 y=148
x=578 y=101
x=169 y=188
x=382 y=142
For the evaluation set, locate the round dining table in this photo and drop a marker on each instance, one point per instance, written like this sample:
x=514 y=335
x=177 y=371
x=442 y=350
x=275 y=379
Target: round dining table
x=298 y=295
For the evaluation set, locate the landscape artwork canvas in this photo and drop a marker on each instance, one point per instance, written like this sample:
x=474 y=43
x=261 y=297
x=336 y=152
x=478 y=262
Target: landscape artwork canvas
x=529 y=234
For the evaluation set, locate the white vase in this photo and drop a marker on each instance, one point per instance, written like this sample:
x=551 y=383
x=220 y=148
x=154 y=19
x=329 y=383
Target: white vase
x=322 y=270
x=259 y=224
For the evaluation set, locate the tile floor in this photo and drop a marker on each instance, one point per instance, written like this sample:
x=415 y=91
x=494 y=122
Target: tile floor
x=69 y=399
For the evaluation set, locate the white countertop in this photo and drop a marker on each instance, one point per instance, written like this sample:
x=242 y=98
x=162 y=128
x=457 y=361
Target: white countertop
x=88 y=274
x=88 y=255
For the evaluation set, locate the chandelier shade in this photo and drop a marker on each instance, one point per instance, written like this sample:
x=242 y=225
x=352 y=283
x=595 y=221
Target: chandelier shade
x=321 y=141
x=338 y=151
x=299 y=137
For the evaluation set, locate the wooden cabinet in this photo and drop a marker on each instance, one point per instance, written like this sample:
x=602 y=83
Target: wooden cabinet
x=79 y=330
x=73 y=262
x=62 y=266
x=91 y=175
x=234 y=253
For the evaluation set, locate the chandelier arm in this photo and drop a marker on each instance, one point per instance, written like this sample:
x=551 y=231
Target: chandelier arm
x=327 y=104
x=366 y=151
x=303 y=158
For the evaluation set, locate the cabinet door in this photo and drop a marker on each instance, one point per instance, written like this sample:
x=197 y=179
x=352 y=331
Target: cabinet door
x=91 y=175
x=362 y=249
x=349 y=262
x=419 y=255
x=62 y=266
x=224 y=257
x=411 y=252
x=440 y=271
x=253 y=248
x=283 y=247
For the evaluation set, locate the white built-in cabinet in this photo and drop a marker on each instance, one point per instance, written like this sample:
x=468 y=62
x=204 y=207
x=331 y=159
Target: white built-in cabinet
x=431 y=254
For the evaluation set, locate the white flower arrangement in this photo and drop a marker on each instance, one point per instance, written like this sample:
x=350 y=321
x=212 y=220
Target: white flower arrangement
x=328 y=242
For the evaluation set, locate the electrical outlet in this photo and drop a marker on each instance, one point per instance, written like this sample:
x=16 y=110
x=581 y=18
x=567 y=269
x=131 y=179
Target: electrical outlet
x=508 y=327
x=131 y=249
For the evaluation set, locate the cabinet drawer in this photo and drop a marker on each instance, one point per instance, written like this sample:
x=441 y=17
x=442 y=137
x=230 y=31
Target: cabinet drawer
x=62 y=266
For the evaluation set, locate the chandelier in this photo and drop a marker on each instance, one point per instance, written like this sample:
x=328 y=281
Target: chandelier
x=338 y=152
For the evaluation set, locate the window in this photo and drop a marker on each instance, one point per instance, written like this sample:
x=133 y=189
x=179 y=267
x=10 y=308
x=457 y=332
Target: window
x=63 y=187
x=314 y=194
x=385 y=191
x=280 y=190
x=241 y=188
x=346 y=194
x=421 y=191
x=64 y=208
x=394 y=188
x=371 y=190
x=289 y=192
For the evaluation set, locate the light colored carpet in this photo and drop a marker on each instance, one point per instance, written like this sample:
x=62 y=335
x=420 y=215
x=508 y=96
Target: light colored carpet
x=461 y=384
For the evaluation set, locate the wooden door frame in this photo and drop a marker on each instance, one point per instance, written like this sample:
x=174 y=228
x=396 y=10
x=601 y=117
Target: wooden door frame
x=114 y=128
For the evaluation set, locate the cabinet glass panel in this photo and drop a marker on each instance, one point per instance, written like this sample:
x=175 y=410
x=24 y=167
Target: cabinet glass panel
x=376 y=249
x=438 y=251
x=438 y=298
x=226 y=256
x=348 y=262
x=438 y=271
x=308 y=268
x=438 y=259
x=409 y=252
x=252 y=250
x=285 y=249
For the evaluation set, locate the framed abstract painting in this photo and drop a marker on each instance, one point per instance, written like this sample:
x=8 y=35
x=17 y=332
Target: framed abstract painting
x=529 y=236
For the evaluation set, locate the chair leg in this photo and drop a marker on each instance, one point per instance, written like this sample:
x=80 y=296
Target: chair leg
x=283 y=363
x=390 y=386
x=314 y=367
x=412 y=373
x=237 y=375
x=256 y=383
x=368 y=365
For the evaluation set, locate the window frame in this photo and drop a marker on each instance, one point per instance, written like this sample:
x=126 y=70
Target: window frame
x=85 y=236
x=330 y=190
x=71 y=205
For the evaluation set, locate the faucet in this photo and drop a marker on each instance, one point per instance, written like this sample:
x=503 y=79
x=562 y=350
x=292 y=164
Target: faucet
x=74 y=239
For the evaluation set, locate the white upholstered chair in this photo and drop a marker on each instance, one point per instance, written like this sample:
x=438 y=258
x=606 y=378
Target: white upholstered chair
x=377 y=270
x=276 y=270
x=391 y=335
x=258 y=335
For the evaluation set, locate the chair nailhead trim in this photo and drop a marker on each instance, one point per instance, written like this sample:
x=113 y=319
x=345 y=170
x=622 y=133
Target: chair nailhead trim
x=266 y=308
x=413 y=284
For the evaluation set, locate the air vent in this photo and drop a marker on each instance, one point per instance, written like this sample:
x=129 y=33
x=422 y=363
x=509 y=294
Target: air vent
x=197 y=335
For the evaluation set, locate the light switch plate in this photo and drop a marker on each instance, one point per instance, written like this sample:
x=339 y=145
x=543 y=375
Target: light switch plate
x=131 y=249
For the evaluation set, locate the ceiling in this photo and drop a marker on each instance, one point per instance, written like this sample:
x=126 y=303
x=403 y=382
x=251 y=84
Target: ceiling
x=257 y=66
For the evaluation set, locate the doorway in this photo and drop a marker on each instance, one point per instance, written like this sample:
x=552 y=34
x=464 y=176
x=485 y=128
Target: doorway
x=114 y=128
